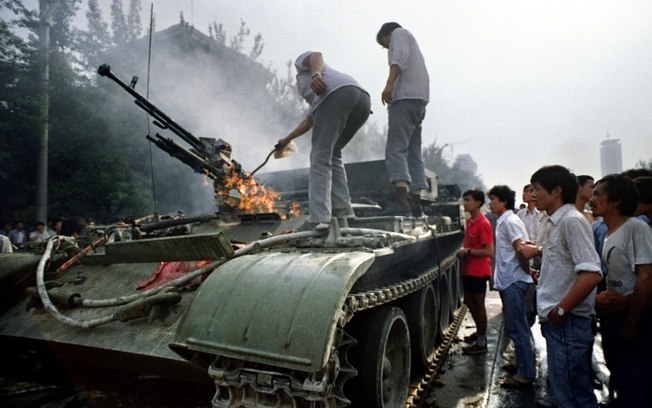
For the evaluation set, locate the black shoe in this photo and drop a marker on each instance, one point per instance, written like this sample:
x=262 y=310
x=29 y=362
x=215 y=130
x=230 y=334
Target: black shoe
x=398 y=203
x=475 y=349
x=415 y=205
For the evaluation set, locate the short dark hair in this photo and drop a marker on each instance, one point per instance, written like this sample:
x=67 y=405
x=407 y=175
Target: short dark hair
x=72 y=225
x=37 y=223
x=550 y=177
x=621 y=188
x=504 y=194
x=636 y=173
x=385 y=30
x=475 y=194
x=644 y=187
x=527 y=187
x=583 y=179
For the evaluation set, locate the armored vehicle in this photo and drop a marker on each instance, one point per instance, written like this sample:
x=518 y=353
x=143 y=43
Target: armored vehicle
x=274 y=313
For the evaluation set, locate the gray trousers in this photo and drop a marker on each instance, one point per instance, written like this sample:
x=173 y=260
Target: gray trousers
x=335 y=122
x=403 y=158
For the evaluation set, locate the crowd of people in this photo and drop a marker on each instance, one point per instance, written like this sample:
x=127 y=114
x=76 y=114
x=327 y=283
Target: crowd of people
x=579 y=252
x=16 y=236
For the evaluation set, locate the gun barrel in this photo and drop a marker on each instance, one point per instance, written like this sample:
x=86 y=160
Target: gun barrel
x=197 y=163
x=151 y=109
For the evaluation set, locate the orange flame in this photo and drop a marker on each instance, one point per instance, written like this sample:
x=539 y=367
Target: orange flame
x=247 y=195
x=294 y=209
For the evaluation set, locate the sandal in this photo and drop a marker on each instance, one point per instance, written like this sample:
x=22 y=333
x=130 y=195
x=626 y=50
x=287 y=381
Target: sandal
x=512 y=382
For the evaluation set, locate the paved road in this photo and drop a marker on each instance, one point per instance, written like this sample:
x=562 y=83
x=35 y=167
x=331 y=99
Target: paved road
x=473 y=381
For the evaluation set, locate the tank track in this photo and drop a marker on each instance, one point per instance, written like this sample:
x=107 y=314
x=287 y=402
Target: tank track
x=238 y=386
x=419 y=395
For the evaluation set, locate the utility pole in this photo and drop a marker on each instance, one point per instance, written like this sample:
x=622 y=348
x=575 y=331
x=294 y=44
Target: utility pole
x=42 y=165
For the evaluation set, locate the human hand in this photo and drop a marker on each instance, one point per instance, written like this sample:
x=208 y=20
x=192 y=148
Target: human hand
x=317 y=84
x=528 y=250
x=281 y=144
x=386 y=96
x=535 y=275
x=461 y=253
x=554 y=318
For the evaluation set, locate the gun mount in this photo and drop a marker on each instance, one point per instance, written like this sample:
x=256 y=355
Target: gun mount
x=207 y=156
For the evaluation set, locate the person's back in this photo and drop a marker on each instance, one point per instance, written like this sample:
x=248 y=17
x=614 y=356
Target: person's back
x=413 y=82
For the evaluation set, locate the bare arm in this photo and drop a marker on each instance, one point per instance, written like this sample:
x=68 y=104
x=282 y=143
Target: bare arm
x=586 y=281
x=394 y=72
x=486 y=250
x=522 y=260
x=316 y=64
x=528 y=250
x=301 y=129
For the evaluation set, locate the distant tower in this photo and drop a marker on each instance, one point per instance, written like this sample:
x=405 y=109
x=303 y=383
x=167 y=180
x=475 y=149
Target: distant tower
x=611 y=158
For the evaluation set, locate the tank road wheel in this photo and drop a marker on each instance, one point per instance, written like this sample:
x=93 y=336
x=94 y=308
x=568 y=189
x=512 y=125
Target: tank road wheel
x=422 y=314
x=385 y=367
x=444 y=302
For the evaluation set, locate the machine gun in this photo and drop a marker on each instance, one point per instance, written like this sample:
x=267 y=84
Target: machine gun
x=208 y=156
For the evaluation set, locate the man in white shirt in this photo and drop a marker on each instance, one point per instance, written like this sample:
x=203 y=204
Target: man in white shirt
x=407 y=92
x=530 y=215
x=570 y=272
x=512 y=279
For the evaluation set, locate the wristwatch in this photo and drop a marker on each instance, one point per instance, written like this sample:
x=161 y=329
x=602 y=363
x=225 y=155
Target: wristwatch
x=560 y=311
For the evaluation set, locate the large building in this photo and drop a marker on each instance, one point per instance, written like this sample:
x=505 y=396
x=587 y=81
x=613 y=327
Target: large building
x=611 y=158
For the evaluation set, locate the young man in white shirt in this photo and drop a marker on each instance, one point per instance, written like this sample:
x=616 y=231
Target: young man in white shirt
x=570 y=272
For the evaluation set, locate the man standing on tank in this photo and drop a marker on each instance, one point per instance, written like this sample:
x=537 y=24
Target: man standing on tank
x=339 y=107
x=476 y=267
x=407 y=92
x=570 y=272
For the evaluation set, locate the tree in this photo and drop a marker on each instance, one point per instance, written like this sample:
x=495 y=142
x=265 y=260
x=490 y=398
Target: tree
x=217 y=32
x=119 y=27
x=642 y=164
x=237 y=40
x=257 y=49
x=134 y=26
x=95 y=41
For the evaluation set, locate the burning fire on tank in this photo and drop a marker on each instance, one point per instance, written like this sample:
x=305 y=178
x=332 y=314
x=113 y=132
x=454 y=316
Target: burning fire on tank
x=243 y=193
x=293 y=209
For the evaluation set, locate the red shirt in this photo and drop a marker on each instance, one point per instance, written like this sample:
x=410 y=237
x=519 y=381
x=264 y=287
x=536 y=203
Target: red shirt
x=478 y=233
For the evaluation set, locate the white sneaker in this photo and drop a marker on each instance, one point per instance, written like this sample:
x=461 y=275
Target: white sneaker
x=322 y=227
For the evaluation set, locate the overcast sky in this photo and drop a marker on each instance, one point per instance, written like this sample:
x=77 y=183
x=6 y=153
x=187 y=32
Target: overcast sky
x=516 y=84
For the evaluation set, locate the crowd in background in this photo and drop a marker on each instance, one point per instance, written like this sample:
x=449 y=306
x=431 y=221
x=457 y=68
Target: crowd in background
x=18 y=235
x=579 y=252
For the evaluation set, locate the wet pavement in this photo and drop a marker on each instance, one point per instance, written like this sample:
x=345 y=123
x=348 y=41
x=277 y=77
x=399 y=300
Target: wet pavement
x=474 y=380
